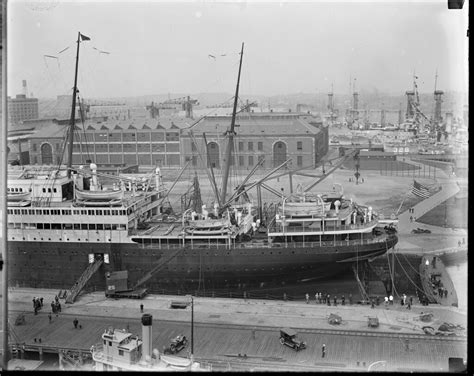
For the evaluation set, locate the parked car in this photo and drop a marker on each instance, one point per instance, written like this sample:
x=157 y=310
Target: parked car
x=420 y=231
x=177 y=344
x=288 y=338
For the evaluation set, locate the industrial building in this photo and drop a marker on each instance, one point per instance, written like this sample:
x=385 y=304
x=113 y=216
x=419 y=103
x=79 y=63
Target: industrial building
x=272 y=136
x=22 y=108
x=166 y=142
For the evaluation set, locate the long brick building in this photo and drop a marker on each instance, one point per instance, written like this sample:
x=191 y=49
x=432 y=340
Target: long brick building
x=166 y=142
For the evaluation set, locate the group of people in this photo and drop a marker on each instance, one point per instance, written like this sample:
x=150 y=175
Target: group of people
x=55 y=305
x=37 y=304
x=404 y=301
x=321 y=298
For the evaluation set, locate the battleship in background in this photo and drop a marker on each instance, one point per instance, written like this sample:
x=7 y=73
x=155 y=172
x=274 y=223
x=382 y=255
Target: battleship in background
x=66 y=229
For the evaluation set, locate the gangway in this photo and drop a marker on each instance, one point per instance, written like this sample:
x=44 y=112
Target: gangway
x=83 y=279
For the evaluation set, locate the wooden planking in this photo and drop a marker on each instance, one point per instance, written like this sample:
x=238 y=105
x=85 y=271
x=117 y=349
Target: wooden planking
x=215 y=341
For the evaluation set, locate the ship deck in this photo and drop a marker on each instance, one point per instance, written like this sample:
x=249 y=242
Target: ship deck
x=225 y=328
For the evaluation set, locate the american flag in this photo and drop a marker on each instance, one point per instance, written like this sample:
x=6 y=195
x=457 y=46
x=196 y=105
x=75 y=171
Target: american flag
x=420 y=190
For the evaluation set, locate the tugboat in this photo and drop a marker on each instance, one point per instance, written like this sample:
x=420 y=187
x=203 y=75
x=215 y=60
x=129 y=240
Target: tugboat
x=123 y=351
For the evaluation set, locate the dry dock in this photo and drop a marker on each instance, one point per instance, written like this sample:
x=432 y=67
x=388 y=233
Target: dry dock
x=225 y=328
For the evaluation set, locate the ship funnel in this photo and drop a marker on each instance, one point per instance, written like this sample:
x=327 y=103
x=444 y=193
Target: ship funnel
x=147 y=336
x=93 y=168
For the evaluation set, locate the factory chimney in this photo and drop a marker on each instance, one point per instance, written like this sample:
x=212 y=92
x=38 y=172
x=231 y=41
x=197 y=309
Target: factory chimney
x=25 y=89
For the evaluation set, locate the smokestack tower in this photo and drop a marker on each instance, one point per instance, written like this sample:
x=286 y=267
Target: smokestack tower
x=331 y=102
x=25 y=89
x=438 y=94
x=410 y=100
x=147 y=336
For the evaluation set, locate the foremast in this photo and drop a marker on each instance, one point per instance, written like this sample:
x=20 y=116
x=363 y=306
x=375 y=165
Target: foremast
x=72 y=122
x=231 y=133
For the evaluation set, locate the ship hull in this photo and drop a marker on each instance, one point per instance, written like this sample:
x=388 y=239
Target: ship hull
x=59 y=265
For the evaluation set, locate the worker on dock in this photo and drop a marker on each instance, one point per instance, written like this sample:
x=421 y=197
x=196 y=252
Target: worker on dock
x=75 y=322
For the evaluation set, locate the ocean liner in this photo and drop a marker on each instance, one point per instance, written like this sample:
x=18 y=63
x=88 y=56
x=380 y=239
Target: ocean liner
x=66 y=229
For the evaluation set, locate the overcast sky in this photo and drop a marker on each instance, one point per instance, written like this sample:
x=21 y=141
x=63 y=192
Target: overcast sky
x=157 y=47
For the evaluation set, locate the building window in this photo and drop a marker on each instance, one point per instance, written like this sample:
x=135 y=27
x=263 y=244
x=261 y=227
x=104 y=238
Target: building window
x=121 y=352
x=250 y=160
x=241 y=146
x=250 y=146
x=299 y=161
x=260 y=145
x=241 y=160
x=299 y=145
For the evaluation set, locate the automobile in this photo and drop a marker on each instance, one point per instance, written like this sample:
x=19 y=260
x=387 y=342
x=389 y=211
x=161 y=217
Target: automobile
x=420 y=231
x=288 y=338
x=177 y=344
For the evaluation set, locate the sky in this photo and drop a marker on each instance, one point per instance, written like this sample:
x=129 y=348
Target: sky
x=158 y=47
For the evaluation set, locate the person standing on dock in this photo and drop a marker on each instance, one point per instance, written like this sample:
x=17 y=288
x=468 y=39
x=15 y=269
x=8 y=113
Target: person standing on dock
x=386 y=301
x=390 y=298
x=75 y=322
x=307 y=298
x=141 y=308
x=335 y=301
x=350 y=299
x=328 y=299
x=343 y=300
x=323 y=351
x=50 y=317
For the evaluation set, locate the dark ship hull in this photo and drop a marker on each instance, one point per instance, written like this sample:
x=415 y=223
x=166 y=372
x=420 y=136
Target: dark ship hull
x=59 y=265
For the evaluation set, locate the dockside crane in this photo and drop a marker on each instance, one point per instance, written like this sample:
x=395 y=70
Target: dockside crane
x=186 y=105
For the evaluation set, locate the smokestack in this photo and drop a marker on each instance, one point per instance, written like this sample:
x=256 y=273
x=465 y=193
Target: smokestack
x=25 y=88
x=147 y=336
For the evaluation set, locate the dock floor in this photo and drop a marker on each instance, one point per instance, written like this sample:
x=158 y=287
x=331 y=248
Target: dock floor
x=225 y=328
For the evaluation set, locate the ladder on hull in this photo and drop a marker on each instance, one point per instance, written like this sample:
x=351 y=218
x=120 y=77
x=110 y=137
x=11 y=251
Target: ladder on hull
x=363 y=292
x=83 y=279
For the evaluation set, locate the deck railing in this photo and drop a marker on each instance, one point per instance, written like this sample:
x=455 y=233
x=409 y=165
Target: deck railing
x=260 y=245
x=289 y=229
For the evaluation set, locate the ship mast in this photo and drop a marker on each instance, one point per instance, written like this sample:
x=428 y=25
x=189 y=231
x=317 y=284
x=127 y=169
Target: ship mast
x=73 y=110
x=231 y=133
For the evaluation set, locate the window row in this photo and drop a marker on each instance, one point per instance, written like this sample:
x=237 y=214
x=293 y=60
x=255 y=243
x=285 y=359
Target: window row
x=67 y=226
x=100 y=212
x=299 y=145
x=16 y=190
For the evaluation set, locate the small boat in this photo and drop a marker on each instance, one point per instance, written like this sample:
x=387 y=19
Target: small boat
x=101 y=195
x=19 y=196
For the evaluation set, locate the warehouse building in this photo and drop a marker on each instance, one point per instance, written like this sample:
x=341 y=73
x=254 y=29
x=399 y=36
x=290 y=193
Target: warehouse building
x=272 y=136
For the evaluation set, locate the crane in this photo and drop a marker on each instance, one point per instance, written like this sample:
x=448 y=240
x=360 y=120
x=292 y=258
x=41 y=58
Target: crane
x=186 y=104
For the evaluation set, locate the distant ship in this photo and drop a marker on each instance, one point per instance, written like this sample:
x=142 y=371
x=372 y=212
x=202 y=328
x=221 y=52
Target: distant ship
x=66 y=230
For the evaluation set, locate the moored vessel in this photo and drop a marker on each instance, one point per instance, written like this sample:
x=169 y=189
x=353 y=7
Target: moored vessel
x=73 y=231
